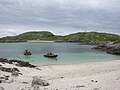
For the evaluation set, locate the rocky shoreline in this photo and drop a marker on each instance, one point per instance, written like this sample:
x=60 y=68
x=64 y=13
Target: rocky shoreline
x=17 y=63
x=13 y=70
x=109 y=48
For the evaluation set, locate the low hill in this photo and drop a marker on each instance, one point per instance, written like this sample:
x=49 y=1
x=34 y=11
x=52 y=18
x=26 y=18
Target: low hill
x=92 y=36
x=76 y=37
x=43 y=35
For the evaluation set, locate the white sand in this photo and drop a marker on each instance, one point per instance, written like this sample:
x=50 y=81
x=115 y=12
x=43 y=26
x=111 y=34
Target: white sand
x=84 y=76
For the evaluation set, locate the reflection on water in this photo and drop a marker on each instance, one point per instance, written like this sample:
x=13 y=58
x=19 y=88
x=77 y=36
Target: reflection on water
x=55 y=59
x=27 y=56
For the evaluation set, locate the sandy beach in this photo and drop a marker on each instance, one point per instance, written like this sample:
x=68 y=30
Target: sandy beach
x=104 y=75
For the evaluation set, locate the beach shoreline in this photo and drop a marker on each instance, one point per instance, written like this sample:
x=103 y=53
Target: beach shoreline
x=39 y=64
x=102 y=75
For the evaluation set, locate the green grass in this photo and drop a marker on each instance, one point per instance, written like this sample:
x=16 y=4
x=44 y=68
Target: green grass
x=80 y=36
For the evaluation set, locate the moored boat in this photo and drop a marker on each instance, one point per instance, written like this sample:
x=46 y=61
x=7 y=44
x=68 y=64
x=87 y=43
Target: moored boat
x=26 y=52
x=51 y=55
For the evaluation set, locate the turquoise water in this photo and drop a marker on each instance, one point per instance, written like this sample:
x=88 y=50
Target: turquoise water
x=68 y=53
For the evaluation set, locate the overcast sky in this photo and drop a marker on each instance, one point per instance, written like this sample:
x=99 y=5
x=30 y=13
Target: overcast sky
x=59 y=16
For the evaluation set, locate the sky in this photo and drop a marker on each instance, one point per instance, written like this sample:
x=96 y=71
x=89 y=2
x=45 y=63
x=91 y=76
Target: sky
x=61 y=17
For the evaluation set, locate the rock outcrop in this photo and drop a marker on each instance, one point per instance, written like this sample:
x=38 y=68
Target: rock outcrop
x=15 y=73
x=109 y=48
x=17 y=63
x=8 y=69
x=1 y=88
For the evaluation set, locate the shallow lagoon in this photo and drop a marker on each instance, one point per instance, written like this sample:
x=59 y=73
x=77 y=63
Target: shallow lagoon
x=68 y=53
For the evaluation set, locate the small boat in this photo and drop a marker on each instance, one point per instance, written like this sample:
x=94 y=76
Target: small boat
x=50 y=55
x=26 y=52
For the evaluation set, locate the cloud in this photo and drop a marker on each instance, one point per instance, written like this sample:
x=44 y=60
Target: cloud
x=59 y=15
x=7 y=32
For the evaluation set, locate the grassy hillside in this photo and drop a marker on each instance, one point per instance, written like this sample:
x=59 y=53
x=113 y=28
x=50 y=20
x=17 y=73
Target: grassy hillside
x=92 y=36
x=43 y=35
x=76 y=37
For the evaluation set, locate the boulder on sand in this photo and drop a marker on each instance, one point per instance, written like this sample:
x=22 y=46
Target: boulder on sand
x=1 y=88
x=15 y=73
x=38 y=81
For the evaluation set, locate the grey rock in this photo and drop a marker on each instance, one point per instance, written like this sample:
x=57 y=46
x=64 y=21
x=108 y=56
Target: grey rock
x=2 y=60
x=36 y=88
x=109 y=48
x=8 y=69
x=16 y=69
x=1 y=88
x=80 y=86
x=6 y=78
x=39 y=81
x=23 y=63
x=0 y=81
x=15 y=73
x=2 y=77
x=96 y=89
x=19 y=63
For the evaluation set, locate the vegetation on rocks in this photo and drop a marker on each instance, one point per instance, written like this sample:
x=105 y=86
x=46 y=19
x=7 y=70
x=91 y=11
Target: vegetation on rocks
x=43 y=35
x=92 y=37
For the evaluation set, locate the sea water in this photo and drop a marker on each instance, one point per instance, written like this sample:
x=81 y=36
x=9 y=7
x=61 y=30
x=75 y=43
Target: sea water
x=67 y=53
